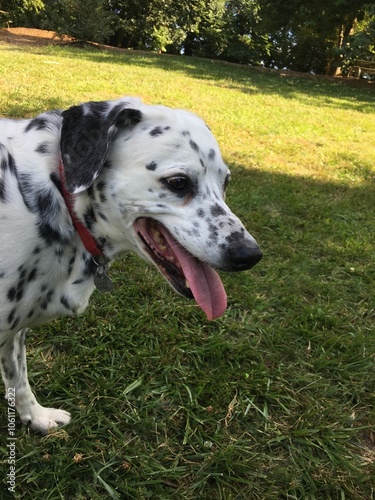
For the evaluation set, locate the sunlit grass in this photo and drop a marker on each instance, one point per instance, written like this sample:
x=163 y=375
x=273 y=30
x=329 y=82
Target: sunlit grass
x=275 y=399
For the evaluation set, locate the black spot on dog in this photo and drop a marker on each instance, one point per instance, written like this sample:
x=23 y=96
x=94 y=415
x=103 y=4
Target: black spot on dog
x=65 y=302
x=7 y=164
x=200 y=212
x=20 y=291
x=102 y=216
x=47 y=299
x=103 y=242
x=101 y=185
x=91 y=193
x=22 y=271
x=100 y=188
x=11 y=294
x=50 y=234
x=156 y=131
x=203 y=165
x=185 y=133
x=43 y=149
x=79 y=281
x=3 y=196
x=152 y=166
x=90 y=266
x=214 y=232
x=89 y=217
x=11 y=315
x=70 y=264
x=217 y=210
x=37 y=123
x=211 y=154
x=59 y=251
x=7 y=161
x=234 y=237
x=194 y=145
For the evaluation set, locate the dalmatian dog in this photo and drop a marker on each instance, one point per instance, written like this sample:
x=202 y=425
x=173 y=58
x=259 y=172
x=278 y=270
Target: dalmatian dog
x=79 y=188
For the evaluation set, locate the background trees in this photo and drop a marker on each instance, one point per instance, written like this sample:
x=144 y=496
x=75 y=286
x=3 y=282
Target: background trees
x=301 y=35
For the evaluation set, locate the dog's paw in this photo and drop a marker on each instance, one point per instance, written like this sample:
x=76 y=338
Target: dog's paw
x=44 y=420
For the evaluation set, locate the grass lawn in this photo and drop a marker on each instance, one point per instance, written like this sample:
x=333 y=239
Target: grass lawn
x=276 y=399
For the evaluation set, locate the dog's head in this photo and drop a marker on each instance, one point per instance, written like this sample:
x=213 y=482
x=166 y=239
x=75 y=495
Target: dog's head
x=156 y=181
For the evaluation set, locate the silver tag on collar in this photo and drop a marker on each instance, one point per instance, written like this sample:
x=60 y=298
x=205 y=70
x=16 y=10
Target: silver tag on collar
x=101 y=280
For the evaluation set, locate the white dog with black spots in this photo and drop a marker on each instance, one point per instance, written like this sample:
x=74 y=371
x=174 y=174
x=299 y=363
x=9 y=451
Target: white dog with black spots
x=80 y=187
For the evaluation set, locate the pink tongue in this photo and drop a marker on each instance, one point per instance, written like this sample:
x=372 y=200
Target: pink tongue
x=205 y=284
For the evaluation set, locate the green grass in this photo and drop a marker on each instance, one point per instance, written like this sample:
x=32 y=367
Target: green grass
x=277 y=398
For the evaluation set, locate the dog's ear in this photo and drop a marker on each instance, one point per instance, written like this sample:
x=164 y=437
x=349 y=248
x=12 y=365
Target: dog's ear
x=87 y=134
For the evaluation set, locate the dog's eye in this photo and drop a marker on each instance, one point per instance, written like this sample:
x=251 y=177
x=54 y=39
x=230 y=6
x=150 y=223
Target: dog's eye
x=177 y=183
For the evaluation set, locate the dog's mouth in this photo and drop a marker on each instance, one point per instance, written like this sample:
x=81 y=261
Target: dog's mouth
x=188 y=275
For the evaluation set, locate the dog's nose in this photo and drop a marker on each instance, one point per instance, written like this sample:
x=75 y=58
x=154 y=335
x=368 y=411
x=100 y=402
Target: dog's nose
x=244 y=257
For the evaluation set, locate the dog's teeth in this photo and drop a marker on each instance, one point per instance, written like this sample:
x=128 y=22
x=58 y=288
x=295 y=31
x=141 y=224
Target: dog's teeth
x=157 y=236
x=163 y=248
x=187 y=284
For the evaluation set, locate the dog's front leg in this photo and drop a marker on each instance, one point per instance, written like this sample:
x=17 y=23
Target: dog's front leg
x=14 y=372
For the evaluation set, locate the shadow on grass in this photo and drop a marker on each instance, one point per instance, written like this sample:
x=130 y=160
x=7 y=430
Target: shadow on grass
x=18 y=110
x=317 y=273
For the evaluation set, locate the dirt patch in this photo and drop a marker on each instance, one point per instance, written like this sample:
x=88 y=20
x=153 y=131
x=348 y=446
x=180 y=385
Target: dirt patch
x=29 y=36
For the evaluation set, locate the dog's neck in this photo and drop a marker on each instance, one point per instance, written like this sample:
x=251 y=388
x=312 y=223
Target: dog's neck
x=101 y=279
x=88 y=240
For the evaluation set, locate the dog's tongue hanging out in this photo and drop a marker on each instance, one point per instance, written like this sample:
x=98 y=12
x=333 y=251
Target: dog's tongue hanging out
x=205 y=284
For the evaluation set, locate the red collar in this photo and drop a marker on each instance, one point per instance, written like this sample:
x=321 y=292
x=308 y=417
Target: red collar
x=86 y=237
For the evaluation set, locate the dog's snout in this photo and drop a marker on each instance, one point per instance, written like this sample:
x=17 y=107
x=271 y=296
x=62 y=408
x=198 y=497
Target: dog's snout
x=244 y=257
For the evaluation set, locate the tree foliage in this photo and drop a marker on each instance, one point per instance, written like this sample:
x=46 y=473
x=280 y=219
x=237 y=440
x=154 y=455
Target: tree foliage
x=19 y=12
x=361 y=41
x=317 y=36
x=309 y=36
x=83 y=20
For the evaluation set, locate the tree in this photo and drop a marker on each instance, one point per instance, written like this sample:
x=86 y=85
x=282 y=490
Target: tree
x=166 y=25
x=360 y=43
x=83 y=20
x=246 y=40
x=308 y=36
x=19 y=12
